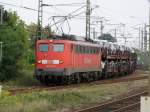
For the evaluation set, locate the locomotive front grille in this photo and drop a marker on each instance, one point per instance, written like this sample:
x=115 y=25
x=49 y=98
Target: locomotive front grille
x=50 y=71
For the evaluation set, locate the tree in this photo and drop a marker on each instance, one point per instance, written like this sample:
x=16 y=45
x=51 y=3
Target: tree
x=32 y=31
x=107 y=37
x=14 y=36
x=32 y=28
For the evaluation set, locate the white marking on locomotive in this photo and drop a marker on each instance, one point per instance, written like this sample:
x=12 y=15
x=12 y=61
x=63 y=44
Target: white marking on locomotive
x=44 y=62
x=56 y=62
x=87 y=61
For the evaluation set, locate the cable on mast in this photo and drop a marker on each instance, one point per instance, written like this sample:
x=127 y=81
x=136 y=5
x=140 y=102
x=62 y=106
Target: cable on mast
x=88 y=14
x=40 y=18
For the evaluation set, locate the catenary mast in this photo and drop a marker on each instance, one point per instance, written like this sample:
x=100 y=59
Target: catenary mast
x=88 y=13
x=40 y=17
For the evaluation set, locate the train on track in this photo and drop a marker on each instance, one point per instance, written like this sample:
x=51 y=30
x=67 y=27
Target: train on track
x=71 y=59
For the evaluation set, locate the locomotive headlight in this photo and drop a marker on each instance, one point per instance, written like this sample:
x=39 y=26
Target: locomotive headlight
x=60 y=62
x=40 y=61
x=50 y=40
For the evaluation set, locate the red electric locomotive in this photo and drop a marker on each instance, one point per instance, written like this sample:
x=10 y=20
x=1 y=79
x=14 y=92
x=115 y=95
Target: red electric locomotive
x=67 y=61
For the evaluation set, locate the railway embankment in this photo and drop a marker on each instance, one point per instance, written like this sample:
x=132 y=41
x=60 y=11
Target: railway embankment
x=68 y=99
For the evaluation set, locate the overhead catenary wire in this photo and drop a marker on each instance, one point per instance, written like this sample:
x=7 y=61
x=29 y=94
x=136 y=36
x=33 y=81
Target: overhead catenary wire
x=73 y=16
x=65 y=19
x=29 y=8
x=32 y=9
x=69 y=4
x=18 y=6
x=69 y=15
x=24 y=7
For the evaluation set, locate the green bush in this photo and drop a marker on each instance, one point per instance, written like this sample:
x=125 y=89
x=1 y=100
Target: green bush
x=14 y=36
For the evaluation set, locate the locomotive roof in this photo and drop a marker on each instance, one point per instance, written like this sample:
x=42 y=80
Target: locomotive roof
x=69 y=41
x=78 y=40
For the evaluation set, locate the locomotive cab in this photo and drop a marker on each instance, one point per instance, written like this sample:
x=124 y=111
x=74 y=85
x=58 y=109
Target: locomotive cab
x=58 y=59
x=51 y=57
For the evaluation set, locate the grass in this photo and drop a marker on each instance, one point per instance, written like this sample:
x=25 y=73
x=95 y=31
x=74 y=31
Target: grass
x=24 y=80
x=52 y=101
x=60 y=100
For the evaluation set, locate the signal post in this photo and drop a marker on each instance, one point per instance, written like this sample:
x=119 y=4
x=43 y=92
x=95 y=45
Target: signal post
x=1 y=43
x=145 y=100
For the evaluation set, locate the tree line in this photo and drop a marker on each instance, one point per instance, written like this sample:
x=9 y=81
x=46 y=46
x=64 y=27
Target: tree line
x=18 y=45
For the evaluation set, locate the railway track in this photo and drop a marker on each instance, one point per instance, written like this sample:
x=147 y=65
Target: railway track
x=106 y=81
x=127 y=104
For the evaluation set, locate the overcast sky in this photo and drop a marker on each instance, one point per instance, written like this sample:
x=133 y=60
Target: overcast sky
x=129 y=12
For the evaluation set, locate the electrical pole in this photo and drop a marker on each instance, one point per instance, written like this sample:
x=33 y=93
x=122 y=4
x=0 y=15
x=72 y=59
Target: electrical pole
x=115 y=34
x=40 y=18
x=145 y=38
x=1 y=14
x=145 y=100
x=125 y=41
x=149 y=54
x=1 y=51
x=101 y=27
x=94 y=33
x=139 y=38
x=1 y=22
x=142 y=40
x=88 y=14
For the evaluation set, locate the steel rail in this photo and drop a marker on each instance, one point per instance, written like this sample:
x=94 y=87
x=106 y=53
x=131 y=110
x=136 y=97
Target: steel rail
x=100 y=82
x=126 y=108
x=111 y=106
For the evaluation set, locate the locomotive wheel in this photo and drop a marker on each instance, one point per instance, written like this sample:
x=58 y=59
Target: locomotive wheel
x=42 y=79
x=73 y=79
x=99 y=75
x=46 y=80
x=58 y=80
x=69 y=80
x=78 y=79
x=66 y=80
x=104 y=74
x=92 y=75
x=96 y=77
x=87 y=77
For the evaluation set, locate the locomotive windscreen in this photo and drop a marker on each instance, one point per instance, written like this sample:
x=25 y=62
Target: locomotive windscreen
x=43 y=47
x=58 y=47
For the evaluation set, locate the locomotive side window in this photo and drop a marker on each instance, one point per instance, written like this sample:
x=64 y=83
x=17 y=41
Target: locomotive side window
x=86 y=50
x=58 y=47
x=43 y=47
x=77 y=48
